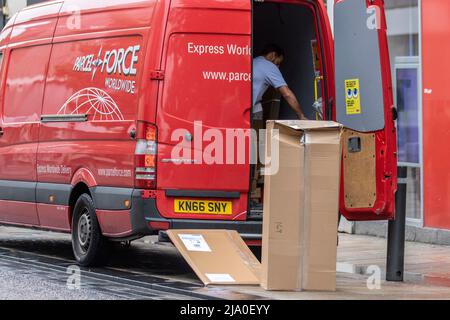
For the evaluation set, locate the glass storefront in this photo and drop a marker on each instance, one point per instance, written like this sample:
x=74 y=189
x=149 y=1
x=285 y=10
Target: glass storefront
x=408 y=114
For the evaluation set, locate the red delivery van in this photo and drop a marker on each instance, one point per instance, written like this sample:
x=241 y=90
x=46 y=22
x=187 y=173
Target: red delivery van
x=98 y=96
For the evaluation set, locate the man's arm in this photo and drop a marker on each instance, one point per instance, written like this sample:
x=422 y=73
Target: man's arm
x=292 y=100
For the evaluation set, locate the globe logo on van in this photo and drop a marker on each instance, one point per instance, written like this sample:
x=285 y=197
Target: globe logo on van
x=93 y=102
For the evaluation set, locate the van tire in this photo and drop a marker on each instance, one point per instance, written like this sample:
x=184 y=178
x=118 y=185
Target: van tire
x=89 y=246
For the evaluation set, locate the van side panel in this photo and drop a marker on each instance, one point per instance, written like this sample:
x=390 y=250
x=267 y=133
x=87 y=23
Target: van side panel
x=98 y=79
x=98 y=84
x=22 y=104
x=28 y=37
x=107 y=94
x=20 y=213
x=95 y=73
x=49 y=220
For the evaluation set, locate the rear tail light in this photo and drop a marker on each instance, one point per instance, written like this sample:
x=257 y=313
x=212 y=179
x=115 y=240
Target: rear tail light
x=146 y=156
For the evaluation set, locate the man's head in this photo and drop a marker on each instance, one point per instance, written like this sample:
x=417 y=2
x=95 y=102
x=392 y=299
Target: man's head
x=274 y=54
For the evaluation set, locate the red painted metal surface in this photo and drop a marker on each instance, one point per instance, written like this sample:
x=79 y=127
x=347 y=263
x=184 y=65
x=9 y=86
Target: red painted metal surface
x=19 y=213
x=386 y=142
x=54 y=217
x=99 y=62
x=114 y=224
x=36 y=24
x=41 y=79
x=436 y=114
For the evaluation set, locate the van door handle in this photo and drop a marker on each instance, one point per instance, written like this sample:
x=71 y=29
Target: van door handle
x=1 y=132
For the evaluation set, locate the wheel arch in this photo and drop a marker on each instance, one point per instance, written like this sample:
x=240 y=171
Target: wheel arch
x=82 y=181
x=85 y=176
x=79 y=189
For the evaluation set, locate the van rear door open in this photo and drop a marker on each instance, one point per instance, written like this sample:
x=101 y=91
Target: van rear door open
x=364 y=104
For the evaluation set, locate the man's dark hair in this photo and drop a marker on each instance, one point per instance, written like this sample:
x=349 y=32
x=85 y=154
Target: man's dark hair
x=273 y=48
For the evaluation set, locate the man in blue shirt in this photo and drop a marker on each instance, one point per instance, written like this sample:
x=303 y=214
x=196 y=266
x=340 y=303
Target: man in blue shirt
x=266 y=73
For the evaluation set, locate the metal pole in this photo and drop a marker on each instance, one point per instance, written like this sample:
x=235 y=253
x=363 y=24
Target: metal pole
x=395 y=264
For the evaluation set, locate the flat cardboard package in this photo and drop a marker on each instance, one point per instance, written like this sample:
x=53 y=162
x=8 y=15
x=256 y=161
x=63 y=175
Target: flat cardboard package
x=218 y=256
x=301 y=203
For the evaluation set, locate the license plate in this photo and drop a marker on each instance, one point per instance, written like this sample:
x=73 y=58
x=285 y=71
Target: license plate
x=203 y=207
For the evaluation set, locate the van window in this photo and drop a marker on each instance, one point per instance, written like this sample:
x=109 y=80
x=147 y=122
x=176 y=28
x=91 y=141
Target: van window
x=25 y=84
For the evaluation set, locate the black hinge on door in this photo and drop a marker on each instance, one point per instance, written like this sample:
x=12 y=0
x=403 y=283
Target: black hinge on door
x=157 y=75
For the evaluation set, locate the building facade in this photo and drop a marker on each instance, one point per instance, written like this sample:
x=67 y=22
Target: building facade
x=419 y=34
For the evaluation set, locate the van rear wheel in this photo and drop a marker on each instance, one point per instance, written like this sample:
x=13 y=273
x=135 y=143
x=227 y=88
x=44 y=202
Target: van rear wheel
x=88 y=244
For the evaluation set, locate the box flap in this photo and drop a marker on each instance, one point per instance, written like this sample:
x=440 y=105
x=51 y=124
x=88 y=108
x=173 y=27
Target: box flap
x=217 y=256
x=299 y=240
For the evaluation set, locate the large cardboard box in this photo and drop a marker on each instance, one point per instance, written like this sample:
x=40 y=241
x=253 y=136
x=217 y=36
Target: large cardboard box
x=301 y=203
x=218 y=256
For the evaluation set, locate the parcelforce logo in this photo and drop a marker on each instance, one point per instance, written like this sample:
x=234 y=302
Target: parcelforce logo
x=121 y=61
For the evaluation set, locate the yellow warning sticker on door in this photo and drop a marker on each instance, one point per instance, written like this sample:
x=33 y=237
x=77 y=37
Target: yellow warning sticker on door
x=352 y=97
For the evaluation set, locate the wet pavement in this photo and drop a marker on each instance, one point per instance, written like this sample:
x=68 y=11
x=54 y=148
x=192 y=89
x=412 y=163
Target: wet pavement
x=40 y=265
x=425 y=263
